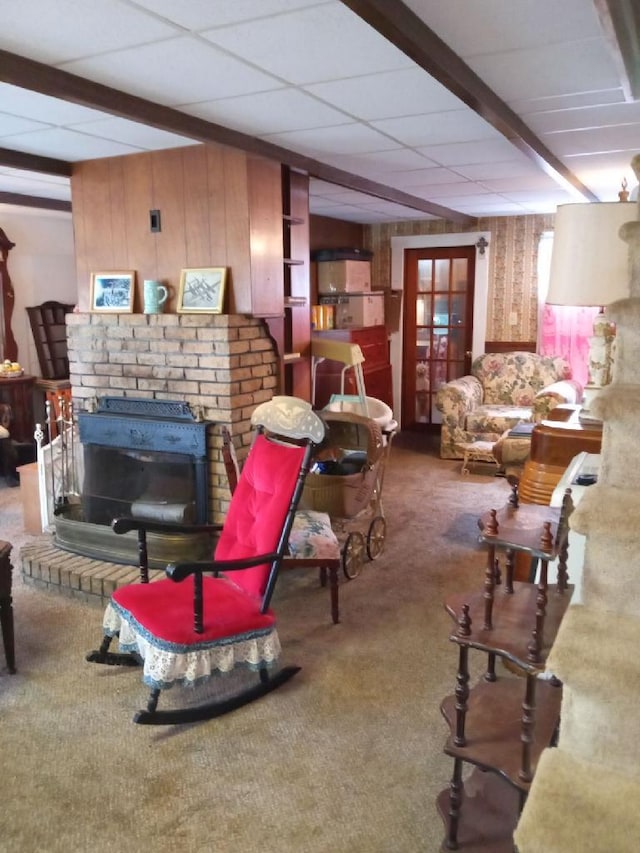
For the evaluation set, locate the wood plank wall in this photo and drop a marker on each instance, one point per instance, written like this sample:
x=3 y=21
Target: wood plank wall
x=218 y=207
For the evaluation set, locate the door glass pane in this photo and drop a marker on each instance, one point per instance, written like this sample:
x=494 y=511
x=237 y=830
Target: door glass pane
x=423 y=309
x=441 y=311
x=441 y=267
x=424 y=275
x=459 y=268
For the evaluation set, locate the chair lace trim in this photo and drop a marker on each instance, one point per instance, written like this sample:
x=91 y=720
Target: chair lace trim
x=188 y=665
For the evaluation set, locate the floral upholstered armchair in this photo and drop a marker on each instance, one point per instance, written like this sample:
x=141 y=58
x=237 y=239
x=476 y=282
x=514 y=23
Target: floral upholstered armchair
x=504 y=389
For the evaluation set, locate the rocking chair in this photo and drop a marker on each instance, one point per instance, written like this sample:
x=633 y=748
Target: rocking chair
x=198 y=622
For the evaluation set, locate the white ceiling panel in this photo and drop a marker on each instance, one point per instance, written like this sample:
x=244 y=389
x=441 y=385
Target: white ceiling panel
x=312 y=77
x=325 y=42
x=491 y=26
x=550 y=70
x=405 y=92
x=584 y=117
x=470 y=153
x=437 y=129
x=204 y=14
x=385 y=164
x=181 y=59
x=68 y=145
x=132 y=133
x=269 y=112
x=342 y=139
x=65 y=30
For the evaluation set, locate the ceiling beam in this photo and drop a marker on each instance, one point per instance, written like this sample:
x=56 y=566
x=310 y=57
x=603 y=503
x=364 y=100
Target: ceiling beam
x=53 y=82
x=403 y=28
x=35 y=201
x=34 y=163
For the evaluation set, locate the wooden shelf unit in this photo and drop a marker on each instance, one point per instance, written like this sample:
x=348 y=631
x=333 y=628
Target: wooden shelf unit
x=295 y=336
x=502 y=724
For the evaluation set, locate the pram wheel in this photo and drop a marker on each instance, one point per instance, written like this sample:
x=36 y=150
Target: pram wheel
x=375 y=537
x=353 y=555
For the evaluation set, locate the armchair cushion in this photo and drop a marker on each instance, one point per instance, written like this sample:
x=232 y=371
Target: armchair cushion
x=503 y=389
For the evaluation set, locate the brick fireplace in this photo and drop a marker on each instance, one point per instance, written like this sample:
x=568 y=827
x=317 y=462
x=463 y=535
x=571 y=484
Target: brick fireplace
x=222 y=366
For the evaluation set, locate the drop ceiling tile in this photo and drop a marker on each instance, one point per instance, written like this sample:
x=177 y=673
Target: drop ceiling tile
x=325 y=42
x=67 y=29
x=518 y=167
x=345 y=139
x=63 y=144
x=585 y=117
x=533 y=183
x=443 y=128
x=203 y=14
x=589 y=140
x=182 y=78
x=268 y=112
x=441 y=191
x=423 y=178
x=406 y=92
x=40 y=189
x=381 y=163
x=473 y=28
x=554 y=69
x=468 y=153
x=42 y=108
x=132 y=133
x=10 y=125
x=549 y=197
x=524 y=106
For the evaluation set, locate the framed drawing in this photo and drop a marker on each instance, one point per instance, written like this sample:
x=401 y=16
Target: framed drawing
x=202 y=290
x=113 y=292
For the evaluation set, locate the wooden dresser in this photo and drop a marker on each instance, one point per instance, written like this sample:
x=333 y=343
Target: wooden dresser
x=374 y=344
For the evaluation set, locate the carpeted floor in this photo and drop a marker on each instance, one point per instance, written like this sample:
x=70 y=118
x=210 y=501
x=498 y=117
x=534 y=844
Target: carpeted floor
x=347 y=757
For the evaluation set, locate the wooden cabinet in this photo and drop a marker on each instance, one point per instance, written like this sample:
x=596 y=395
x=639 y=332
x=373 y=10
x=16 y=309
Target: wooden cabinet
x=376 y=368
x=502 y=724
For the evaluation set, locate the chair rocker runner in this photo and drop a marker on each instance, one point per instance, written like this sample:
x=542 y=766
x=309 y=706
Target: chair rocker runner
x=207 y=618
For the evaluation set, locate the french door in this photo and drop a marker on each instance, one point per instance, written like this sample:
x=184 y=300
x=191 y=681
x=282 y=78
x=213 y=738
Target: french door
x=437 y=328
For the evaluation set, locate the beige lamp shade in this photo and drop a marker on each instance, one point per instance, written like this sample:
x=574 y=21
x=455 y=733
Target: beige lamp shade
x=589 y=260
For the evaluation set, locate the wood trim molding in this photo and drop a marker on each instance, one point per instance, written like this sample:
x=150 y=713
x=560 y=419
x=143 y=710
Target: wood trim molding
x=35 y=201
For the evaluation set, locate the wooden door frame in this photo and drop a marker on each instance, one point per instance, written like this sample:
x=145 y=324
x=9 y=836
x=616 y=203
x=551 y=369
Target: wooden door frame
x=480 y=294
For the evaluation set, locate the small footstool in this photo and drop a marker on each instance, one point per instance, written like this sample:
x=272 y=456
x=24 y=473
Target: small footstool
x=512 y=449
x=477 y=451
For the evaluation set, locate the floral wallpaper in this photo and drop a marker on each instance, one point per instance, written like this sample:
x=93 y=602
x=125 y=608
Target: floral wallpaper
x=513 y=279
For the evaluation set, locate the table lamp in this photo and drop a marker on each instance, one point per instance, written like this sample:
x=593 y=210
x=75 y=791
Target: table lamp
x=589 y=267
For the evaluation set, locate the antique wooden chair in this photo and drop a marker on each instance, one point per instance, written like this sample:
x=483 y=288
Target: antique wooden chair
x=207 y=618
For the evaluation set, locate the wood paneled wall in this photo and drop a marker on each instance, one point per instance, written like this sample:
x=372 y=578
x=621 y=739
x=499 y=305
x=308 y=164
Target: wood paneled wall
x=218 y=207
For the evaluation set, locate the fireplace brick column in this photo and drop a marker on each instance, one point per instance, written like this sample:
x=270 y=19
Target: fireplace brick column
x=222 y=365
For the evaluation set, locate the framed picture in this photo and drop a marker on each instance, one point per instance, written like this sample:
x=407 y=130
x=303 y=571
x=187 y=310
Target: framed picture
x=113 y=291
x=202 y=290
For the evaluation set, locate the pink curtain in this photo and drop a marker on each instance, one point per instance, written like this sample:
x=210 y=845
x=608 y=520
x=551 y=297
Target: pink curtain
x=566 y=331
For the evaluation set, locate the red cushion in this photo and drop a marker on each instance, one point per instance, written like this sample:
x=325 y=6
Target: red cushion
x=163 y=610
x=258 y=508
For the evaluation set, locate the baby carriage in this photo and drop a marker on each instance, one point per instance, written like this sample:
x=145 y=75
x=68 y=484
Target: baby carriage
x=346 y=480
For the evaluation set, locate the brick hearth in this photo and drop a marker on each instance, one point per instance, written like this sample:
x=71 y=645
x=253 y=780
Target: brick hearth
x=92 y=581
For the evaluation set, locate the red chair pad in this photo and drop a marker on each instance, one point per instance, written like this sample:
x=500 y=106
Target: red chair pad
x=162 y=612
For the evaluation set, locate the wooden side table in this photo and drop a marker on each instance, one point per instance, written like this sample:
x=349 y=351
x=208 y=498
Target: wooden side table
x=554 y=443
x=18 y=393
x=6 y=606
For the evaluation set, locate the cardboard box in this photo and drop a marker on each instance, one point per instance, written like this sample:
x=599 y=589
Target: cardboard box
x=361 y=309
x=344 y=277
